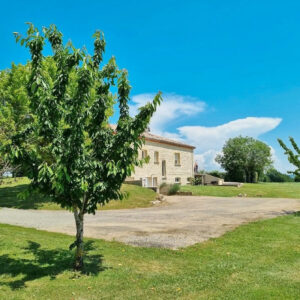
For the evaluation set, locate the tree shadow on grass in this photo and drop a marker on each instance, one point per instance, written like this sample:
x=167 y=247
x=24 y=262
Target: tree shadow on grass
x=45 y=263
x=292 y=212
x=9 y=198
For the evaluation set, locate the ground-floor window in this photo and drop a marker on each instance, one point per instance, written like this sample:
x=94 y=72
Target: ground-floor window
x=177 y=180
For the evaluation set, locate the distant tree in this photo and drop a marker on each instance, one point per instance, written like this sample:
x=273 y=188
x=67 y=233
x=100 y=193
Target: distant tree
x=273 y=175
x=244 y=159
x=69 y=151
x=14 y=106
x=293 y=156
x=14 y=102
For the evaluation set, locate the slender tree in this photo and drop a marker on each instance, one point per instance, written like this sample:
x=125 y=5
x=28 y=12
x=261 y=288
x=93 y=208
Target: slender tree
x=293 y=155
x=69 y=150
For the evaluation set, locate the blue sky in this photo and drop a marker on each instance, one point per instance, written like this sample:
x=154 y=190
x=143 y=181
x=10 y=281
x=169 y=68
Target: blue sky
x=225 y=67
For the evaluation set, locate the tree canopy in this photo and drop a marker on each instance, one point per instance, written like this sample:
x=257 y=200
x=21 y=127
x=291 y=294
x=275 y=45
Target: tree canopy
x=273 y=175
x=14 y=106
x=68 y=149
x=14 y=101
x=244 y=159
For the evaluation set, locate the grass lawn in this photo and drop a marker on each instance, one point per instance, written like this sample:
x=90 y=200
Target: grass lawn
x=137 y=197
x=272 y=190
x=259 y=260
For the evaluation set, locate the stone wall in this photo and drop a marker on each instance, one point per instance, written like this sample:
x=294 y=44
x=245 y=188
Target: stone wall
x=167 y=153
x=134 y=182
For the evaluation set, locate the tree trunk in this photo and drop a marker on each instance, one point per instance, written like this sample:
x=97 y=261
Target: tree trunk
x=79 y=240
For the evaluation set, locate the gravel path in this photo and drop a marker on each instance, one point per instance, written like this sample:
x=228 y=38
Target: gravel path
x=184 y=221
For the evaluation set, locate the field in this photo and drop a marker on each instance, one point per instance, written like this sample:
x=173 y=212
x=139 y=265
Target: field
x=256 y=261
x=268 y=190
x=137 y=197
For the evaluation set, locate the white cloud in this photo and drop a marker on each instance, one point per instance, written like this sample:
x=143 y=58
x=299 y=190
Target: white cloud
x=173 y=107
x=210 y=140
x=207 y=140
x=213 y=138
x=206 y=160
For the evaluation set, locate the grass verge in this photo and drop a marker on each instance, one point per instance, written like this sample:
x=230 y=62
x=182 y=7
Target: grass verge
x=266 y=190
x=137 y=197
x=259 y=260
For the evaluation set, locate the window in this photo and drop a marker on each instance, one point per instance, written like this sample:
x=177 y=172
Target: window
x=156 y=157
x=163 y=168
x=144 y=154
x=177 y=180
x=177 y=159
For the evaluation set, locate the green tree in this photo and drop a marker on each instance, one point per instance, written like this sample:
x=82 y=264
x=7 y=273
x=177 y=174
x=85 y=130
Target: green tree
x=273 y=175
x=293 y=156
x=14 y=106
x=69 y=150
x=244 y=159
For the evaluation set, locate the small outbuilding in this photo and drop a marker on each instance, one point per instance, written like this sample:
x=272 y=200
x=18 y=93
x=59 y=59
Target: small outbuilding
x=207 y=179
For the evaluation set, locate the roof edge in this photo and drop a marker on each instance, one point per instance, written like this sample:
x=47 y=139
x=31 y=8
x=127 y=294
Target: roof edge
x=174 y=143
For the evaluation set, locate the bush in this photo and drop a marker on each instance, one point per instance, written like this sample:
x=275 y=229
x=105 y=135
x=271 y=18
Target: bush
x=173 y=189
x=169 y=189
x=196 y=181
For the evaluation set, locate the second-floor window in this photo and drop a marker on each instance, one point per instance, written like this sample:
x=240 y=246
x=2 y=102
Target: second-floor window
x=144 y=154
x=156 y=157
x=177 y=159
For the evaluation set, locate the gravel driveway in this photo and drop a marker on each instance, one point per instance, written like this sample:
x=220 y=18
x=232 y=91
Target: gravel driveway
x=183 y=221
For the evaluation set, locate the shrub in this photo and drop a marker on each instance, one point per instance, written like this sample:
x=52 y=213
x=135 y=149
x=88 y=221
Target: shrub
x=169 y=189
x=173 y=189
x=196 y=181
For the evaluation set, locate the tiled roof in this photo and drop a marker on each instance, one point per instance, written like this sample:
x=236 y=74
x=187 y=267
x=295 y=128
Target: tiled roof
x=160 y=139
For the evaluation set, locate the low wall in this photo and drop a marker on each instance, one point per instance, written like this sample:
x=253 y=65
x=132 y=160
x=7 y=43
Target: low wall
x=134 y=182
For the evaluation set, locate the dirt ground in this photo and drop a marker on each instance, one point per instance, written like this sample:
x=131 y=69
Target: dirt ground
x=180 y=222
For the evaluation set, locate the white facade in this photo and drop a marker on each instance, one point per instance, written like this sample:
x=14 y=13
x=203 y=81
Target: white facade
x=169 y=163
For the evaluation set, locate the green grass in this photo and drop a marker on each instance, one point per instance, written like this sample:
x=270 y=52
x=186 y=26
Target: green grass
x=259 y=260
x=271 y=190
x=137 y=197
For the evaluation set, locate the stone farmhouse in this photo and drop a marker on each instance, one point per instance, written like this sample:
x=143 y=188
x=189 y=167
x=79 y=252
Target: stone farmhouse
x=170 y=162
